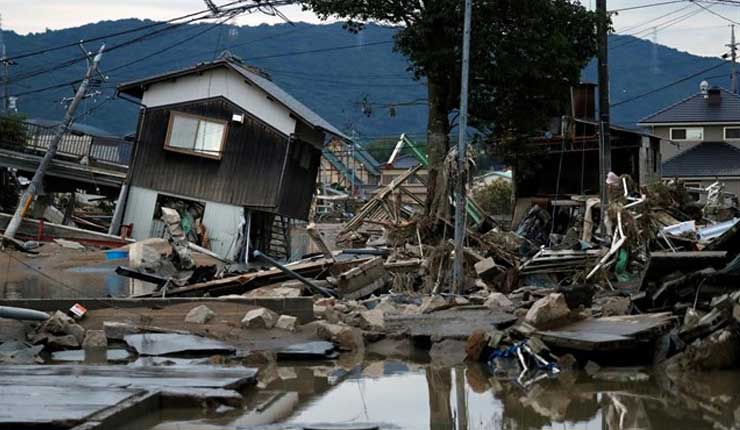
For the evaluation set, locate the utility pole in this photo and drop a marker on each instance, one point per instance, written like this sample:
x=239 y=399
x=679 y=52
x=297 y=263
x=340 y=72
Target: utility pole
x=733 y=55
x=458 y=275
x=5 y=72
x=36 y=183
x=605 y=152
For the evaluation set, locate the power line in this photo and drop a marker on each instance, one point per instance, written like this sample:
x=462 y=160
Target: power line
x=313 y=51
x=72 y=61
x=120 y=33
x=652 y=21
x=708 y=9
x=167 y=48
x=676 y=82
x=658 y=27
x=287 y=54
x=624 y=9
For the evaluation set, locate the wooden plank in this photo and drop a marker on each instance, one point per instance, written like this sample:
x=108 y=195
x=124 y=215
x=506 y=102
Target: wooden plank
x=30 y=228
x=248 y=281
x=455 y=323
x=609 y=333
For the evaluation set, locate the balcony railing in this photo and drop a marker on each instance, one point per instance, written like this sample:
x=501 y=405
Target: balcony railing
x=26 y=137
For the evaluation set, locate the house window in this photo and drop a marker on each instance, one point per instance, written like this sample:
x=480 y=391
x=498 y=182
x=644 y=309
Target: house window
x=196 y=135
x=687 y=133
x=732 y=133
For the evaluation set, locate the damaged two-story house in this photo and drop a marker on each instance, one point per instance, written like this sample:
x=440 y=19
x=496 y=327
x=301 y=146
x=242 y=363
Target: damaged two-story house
x=233 y=152
x=701 y=138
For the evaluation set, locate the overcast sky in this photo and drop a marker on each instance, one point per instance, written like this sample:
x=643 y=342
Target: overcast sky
x=681 y=25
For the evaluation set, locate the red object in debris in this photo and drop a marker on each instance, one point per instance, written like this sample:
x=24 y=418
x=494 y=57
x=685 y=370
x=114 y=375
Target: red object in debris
x=40 y=234
x=78 y=311
x=126 y=230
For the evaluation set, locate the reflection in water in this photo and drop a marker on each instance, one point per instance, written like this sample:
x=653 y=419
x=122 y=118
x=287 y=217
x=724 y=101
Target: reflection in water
x=409 y=396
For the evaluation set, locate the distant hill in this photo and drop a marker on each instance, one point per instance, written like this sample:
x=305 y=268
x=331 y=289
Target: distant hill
x=336 y=83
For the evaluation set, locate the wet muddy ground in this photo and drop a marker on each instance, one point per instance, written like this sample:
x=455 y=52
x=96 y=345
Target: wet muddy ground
x=402 y=395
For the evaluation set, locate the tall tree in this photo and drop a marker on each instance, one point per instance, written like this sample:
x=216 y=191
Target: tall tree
x=524 y=56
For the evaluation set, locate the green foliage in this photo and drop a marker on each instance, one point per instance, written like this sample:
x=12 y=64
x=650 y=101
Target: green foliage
x=524 y=57
x=495 y=198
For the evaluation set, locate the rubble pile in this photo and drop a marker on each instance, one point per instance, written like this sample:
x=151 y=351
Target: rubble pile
x=650 y=279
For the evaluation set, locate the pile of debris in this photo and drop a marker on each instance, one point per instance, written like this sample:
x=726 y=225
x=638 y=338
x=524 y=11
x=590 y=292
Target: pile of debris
x=580 y=280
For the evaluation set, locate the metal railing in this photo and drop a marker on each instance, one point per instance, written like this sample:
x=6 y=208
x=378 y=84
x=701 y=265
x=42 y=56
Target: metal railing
x=26 y=137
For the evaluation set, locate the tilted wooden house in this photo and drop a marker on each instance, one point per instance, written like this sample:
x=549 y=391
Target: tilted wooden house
x=235 y=149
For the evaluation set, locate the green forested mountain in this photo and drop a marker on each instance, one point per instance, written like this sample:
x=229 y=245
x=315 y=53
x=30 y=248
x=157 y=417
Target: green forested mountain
x=342 y=85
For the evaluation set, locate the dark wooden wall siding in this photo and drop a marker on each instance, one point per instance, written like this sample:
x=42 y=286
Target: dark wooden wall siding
x=248 y=174
x=299 y=181
x=308 y=134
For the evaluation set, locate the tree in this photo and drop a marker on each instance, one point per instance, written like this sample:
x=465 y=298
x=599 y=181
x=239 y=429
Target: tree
x=524 y=56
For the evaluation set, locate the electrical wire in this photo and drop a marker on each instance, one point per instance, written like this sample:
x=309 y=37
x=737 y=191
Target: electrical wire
x=644 y=6
x=120 y=33
x=669 y=85
x=287 y=54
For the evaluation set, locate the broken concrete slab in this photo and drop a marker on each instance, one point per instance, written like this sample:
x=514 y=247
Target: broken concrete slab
x=15 y=352
x=260 y=318
x=362 y=280
x=169 y=343
x=456 y=323
x=498 y=301
x=317 y=350
x=199 y=315
x=344 y=337
x=119 y=330
x=548 y=309
x=372 y=320
x=433 y=303
x=287 y=289
x=609 y=333
x=487 y=269
x=95 y=339
x=286 y=322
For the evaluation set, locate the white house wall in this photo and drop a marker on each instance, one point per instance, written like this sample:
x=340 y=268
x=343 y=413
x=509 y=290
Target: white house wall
x=221 y=221
x=222 y=224
x=140 y=211
x=226 y=83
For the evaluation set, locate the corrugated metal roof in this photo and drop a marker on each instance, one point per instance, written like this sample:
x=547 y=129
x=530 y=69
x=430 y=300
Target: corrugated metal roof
x=697 y=108
x=707 y=159
x=136 y=89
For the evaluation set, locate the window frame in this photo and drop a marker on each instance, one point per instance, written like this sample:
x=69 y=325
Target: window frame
x=724 y=133
x=216 y=156
x=670 y=134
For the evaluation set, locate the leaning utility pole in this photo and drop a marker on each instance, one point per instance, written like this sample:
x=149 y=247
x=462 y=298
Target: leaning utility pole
x=4 y=63
x=36 y=183
x=605 y=151
x=733 y=55
x=458 y=275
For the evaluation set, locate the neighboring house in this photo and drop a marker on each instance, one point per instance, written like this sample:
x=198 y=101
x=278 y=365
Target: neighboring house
x=415 y=184
x=230 y=149
x=348 y=167
x=565 y=162
x=702 y=138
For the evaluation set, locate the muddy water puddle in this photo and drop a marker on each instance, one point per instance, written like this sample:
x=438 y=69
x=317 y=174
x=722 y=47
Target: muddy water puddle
x=400 y=395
